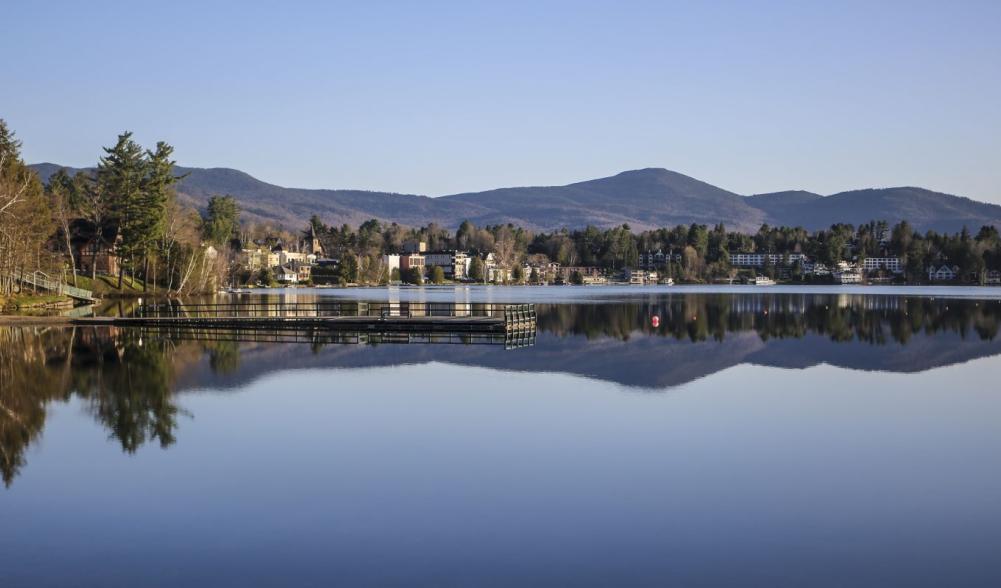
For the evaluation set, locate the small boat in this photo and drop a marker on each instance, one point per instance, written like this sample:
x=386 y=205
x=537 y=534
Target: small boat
x=761 y=281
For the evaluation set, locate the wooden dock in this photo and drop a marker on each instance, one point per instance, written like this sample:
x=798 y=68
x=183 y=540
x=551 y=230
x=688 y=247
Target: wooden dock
x=347 y=323
x=332 y=315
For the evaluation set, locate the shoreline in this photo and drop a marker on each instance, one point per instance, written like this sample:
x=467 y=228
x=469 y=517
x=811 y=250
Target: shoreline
x=27 y=320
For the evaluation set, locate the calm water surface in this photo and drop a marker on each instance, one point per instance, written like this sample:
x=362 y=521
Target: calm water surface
x=752 y=438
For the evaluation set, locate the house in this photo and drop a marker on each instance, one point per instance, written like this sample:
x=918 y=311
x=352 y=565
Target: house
x=817 y=269
x=95 y=251
x=848 y=276
x=547 y=272
x=943 y=273
x=287 y=275
x=498 y=275
x=639 y=277
x=588 y=274
x=489 y=267
x=254 y=259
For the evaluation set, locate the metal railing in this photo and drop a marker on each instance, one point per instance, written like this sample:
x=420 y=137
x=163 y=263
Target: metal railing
x=42 y=280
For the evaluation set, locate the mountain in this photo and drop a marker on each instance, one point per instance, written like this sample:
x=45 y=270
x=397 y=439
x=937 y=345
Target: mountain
x=644 y=199
x=922 y=208
x=774 y=202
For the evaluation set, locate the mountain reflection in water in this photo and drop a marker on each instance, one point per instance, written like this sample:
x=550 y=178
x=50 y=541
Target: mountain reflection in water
x=128 y=377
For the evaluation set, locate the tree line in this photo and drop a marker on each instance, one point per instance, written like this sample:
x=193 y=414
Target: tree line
x=693 y=253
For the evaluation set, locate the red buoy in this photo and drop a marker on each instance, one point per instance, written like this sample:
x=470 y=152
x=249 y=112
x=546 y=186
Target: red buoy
x=655 y=321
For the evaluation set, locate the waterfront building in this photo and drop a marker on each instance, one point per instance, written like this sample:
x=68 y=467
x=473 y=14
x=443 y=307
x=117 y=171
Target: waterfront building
x=848 y=275
x=412 y=260
x=639 y=276
x=944 y=273
x=454 y=263
x=497 y=274
x=590 y=274
x=762 y=259
x=287 y=275
x=651 y=259
x=391 y=261
x=94 y=251
x=891 y=264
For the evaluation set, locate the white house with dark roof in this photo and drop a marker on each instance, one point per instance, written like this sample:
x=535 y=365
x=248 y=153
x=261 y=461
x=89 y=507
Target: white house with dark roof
x=286 y=275
x=943 y=273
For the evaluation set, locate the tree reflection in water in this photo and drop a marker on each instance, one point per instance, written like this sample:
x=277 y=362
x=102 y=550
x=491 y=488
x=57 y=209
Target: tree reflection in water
x=700 y=317
x=127 y=378
x=125 y=381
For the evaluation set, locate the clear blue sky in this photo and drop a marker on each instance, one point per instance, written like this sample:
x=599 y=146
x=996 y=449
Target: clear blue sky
x=441 y=97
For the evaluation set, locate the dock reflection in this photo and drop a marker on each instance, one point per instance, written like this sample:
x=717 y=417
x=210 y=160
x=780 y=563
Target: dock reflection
x=511 y=338
x=130 y=377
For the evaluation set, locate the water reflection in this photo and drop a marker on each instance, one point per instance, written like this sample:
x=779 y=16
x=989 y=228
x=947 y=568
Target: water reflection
x=129 y=378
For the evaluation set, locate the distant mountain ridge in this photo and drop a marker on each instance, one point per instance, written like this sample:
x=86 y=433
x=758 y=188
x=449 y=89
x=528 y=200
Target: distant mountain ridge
x=644 y=199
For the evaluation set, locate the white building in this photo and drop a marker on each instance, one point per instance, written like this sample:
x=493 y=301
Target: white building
x=943 y=273
x=295 y=257
x=759 y=259
x=891 y=264
x=287 y=275
x=391 y=261
x=455 y=264
x=848 y=276
x=639 y=276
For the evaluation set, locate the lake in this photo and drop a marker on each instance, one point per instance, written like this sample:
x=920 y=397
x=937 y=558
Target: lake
x=643 y=437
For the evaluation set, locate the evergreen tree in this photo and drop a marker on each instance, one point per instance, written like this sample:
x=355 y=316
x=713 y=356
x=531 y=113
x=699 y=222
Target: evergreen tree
x=222 y=220
x=156 y=198
x=348 y=269
x=121 y=174
x=476 y=269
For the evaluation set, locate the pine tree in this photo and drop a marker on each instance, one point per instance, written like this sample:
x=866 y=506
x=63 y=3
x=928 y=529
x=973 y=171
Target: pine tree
x=157 y=196
x=121 y=174
x=222 y=220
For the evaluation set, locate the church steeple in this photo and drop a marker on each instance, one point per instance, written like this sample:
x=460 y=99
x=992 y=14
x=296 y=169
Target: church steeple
x=314 y=241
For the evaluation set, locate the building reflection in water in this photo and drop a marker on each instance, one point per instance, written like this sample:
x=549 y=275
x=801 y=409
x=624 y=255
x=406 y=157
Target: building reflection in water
x=129 y=378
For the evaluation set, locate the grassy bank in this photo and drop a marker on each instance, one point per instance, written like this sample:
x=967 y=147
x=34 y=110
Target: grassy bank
x=28 y=302
x=107 y=286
